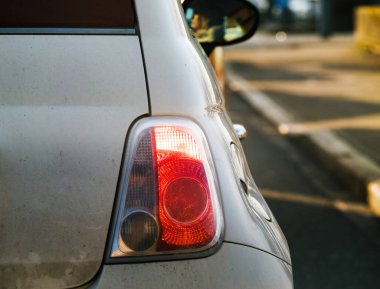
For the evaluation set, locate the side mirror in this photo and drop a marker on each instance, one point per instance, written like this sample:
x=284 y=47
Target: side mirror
x=221 y=22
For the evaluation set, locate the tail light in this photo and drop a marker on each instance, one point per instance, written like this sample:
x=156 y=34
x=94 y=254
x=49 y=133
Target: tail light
x=168 y=202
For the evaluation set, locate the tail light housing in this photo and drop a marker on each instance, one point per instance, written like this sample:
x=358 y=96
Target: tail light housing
x=168 y=202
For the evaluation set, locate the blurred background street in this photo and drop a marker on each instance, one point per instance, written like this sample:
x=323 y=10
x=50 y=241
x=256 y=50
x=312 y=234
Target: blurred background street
x=307 y=88
x=325 y=84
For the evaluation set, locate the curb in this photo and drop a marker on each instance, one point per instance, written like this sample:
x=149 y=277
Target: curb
x=355 y=170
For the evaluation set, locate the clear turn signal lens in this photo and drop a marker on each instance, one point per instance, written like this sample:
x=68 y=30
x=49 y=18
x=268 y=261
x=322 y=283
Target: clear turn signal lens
x=168 y=201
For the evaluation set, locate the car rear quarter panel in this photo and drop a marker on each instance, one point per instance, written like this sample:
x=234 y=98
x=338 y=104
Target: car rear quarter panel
x=182 y=82
x=233 y=266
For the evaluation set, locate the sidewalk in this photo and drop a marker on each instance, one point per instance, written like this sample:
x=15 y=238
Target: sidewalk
x=324 y=92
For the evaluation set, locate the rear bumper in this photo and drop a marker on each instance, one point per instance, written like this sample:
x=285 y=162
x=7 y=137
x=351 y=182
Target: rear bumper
x=233 y=266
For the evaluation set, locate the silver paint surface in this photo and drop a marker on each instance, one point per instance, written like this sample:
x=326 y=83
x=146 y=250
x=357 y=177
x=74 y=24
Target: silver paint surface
x=233 y=266
x=66 y=104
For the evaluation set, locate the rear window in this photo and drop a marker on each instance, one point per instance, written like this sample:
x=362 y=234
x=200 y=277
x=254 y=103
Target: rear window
x=66 y=14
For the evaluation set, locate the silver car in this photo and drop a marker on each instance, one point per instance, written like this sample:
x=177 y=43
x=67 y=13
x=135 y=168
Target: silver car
x=119 y=167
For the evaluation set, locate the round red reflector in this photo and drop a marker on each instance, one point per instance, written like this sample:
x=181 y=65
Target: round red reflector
x=185 y=200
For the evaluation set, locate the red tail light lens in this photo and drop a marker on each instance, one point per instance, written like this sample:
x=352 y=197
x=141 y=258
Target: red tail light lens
x=169 y=201
x=184 y=201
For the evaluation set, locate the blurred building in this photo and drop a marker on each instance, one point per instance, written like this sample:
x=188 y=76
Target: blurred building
x=325 y=16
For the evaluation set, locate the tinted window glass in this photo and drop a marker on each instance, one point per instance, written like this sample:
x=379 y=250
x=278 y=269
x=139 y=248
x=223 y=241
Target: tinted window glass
x=66 y=14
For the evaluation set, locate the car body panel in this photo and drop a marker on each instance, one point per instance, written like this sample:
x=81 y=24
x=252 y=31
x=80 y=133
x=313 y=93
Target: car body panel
x=66 y=104
x=188 y=87
x=233 y=266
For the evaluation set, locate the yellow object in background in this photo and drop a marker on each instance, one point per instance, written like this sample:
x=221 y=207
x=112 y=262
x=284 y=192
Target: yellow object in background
x=367 y=28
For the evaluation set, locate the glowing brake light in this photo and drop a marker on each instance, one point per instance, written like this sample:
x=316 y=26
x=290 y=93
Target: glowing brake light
x=168 y=201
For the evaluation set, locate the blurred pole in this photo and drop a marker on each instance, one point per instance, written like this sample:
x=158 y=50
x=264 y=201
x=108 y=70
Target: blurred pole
x=325 y=24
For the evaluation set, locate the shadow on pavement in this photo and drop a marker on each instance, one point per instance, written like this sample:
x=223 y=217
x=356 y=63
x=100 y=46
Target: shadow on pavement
x=314 y=108
x=271 y=72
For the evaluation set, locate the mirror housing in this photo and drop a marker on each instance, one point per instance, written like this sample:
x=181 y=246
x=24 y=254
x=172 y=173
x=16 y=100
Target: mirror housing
x=221 y=22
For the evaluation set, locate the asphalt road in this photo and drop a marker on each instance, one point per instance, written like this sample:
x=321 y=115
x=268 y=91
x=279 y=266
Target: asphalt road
x=322 y=84
x=334 y=242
